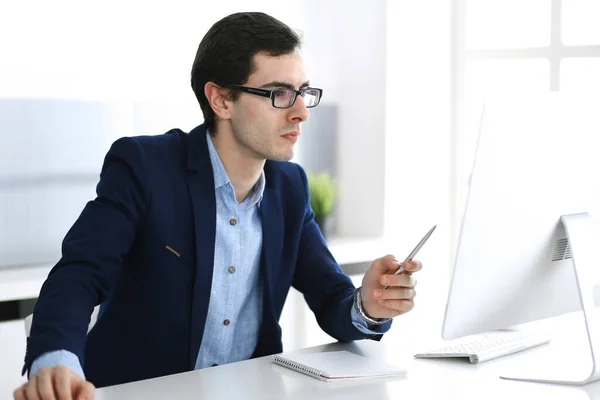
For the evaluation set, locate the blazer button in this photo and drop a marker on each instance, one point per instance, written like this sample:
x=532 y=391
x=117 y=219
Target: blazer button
x=231 y=270
x=226 y=322
x=232 y=222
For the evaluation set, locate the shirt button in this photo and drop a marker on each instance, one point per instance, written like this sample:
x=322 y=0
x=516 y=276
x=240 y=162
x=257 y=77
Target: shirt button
x=231 y=270
x=232 y=222
x=226 y=322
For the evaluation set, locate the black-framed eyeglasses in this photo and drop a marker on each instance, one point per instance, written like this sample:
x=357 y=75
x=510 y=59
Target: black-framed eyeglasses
x=284 y=98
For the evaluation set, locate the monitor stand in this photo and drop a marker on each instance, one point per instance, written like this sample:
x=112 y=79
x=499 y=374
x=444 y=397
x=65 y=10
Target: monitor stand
x=583 y=237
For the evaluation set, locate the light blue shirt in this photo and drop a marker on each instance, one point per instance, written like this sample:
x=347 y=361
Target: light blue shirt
x=235 y=308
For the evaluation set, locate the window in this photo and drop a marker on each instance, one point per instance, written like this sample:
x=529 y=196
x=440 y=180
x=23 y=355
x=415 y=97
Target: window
x=515 y=46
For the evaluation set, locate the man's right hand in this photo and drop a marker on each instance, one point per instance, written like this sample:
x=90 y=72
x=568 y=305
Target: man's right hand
x=56 y=383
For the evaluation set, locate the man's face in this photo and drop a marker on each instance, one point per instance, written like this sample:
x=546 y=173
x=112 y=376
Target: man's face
x=263 y=131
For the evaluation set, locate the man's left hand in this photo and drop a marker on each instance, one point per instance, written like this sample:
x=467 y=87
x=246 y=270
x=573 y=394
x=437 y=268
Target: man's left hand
x=398 y=298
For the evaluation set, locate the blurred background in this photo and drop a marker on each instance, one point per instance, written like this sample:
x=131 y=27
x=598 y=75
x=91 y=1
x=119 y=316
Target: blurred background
x=404 y=83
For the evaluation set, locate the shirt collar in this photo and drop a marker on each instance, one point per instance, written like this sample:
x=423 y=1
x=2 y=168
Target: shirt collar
x=221 y=179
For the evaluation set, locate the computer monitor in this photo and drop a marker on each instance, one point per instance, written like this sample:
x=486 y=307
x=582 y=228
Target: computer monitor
x=537 y=162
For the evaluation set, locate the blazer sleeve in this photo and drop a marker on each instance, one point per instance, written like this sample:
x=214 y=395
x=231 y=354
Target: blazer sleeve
x=328 y=291
x=92 y=254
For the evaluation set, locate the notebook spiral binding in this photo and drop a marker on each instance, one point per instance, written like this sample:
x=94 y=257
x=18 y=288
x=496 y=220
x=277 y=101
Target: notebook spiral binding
x=298 y=367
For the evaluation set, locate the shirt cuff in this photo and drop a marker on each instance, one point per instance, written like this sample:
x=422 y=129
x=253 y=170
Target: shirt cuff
x=366 y=328
x=57 y=357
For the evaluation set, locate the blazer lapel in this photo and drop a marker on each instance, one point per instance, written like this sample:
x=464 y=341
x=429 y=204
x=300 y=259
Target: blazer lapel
x=272 y=226
x=202 y=193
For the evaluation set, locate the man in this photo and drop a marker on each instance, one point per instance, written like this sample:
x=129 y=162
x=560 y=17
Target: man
x=194 y=240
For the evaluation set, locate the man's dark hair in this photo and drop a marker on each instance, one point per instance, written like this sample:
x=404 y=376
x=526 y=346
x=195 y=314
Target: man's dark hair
x=225 y=54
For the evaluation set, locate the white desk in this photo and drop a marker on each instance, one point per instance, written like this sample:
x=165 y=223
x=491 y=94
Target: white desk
x=20 y=283
x=12 y=351
x=426 y=379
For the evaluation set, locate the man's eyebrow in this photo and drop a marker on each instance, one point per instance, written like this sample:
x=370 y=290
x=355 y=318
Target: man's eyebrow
x=284 y=85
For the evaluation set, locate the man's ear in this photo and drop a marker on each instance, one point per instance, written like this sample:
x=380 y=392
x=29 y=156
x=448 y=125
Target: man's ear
x=218 y=100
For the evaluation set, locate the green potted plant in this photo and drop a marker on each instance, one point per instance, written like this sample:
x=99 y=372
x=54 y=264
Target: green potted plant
x=322 y=196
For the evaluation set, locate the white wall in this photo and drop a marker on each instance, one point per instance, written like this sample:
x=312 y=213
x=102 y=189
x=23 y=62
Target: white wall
x=418 y=147
x=346 y=41
x=418 y=140
x=142 y=52
x=83 y=75
x=114 y=50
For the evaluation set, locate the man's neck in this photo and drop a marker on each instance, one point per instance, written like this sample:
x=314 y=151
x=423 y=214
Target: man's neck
x=242 y=170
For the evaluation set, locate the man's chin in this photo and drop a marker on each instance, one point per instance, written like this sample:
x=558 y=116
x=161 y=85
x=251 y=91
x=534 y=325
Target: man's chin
x=281 y=157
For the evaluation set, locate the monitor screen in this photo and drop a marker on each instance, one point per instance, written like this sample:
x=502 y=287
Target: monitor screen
x=537 y=159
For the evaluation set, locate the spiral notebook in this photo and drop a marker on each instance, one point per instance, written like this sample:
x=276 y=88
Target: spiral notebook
x=336 y=365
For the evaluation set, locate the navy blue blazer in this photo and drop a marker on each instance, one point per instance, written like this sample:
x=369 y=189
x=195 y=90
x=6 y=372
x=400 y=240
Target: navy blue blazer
x=158 y=191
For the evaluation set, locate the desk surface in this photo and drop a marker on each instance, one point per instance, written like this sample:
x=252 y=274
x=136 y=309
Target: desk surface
x=426 y=379
x=20 y=283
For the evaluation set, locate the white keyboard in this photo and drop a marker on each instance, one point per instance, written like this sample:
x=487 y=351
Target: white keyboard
x=488 y=346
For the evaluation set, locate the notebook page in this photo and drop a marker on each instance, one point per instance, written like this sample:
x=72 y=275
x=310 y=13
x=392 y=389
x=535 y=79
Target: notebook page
x=343 y=364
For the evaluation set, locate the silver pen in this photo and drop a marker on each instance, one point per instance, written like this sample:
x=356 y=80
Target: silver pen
x=414 y=252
